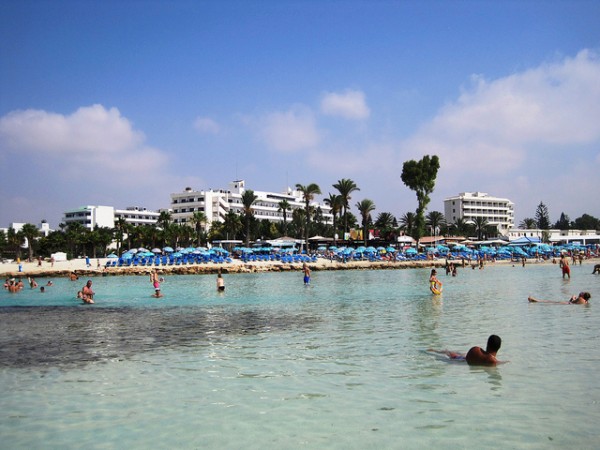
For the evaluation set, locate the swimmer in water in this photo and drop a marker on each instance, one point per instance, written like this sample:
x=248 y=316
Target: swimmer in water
x=435 y=285
x=581 y=299
x=477 y=356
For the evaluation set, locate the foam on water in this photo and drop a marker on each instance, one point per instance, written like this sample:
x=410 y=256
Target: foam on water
x=272 y=364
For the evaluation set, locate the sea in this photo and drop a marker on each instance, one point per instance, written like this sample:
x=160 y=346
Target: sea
x=343 y=363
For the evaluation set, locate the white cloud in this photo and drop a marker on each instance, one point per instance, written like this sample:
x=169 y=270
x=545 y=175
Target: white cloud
x=206 y=125
x=289 y=131
x=495 y=124
x=349 y=105
x=89 y=129
x=92 y=141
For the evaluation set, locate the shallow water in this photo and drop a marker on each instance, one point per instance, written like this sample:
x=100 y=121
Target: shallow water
x=272 y=364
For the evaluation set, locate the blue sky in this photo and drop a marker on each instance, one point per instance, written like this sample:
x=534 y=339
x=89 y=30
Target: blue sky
x=123 y=102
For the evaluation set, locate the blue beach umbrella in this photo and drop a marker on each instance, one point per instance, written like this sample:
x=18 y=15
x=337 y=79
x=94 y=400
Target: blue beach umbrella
x=168 y=249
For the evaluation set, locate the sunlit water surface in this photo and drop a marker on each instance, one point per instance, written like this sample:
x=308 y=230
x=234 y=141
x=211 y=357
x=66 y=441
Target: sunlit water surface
x=273 y=364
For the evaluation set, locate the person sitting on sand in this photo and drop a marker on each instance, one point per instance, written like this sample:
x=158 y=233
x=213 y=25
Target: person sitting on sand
x=581 y=299
x=477 y=356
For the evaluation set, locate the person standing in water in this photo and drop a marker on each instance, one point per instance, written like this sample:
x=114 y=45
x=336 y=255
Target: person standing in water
x=220 y=282
x=306 y=272
x=564 y=265
x=155 y=283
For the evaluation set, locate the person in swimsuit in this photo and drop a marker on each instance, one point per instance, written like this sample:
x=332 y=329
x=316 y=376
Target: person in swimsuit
x=306 y=272
x=155 y=283
x=435 y=285
x=476 y=356
x=581 y=299
x=564 y=265
x=220 y=283
x=87 y=295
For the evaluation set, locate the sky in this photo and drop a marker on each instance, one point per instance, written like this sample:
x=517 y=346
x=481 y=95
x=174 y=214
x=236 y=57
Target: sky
x=122 y=103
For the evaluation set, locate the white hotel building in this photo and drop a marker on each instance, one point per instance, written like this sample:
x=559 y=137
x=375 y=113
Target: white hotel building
x=498 y=212
x=93 y=217
x=216 y=203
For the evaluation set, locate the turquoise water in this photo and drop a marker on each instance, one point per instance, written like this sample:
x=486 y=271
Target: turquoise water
x=273 y=364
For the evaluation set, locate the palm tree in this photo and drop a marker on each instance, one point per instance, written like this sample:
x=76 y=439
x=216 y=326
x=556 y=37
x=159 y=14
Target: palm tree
x=386 y=224
x=407 y=223
x=460 y=227
x=435 y=220
x=334 y=201
x=198 y=219
x=284 y=206
x=346 y=187
x=164 y=219
x=480 y=225
x=232 y=224
x=308 y=194
x=248 y=199
x=119 y=230
x=30 y=232
x=365 y=207
x=528 y=224
x=13 y=241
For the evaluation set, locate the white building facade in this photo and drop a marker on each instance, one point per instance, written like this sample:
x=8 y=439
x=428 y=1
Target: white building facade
x=215 y=204
x=93 y=217
x=469 y=206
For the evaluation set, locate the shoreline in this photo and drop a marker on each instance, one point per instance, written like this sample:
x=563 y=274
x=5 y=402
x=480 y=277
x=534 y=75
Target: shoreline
x=78 y=266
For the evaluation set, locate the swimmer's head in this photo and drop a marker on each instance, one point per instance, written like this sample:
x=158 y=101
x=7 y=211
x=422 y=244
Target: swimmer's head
x=433 y=272
x=493 y=344
x=585 y=295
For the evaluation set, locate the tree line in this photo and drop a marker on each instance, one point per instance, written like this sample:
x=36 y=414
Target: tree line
x=301 y=223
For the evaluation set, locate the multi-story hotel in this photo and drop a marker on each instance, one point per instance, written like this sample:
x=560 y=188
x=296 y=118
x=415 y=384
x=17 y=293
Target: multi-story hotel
x=105 y=216
x=498 y=212
x=216 y=203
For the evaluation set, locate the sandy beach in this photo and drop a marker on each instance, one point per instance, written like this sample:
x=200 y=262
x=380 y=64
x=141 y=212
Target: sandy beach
x=78 y=266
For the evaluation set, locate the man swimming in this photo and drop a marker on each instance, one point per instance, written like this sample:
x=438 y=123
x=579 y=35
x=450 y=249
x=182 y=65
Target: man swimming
x=477 y=356
x=581 y=299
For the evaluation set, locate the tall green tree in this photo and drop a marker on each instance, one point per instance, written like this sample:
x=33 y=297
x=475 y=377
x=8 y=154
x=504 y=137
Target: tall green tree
x=346 y=187
x=308 y=194
x=386 y=223
x=542 y=218
x=336 y=204
x=460 y=227
x=119 y=232
x=481 y=225
x=420 y=177
x=528 y=223
x=407 y=223
x=435 y=220
x=248 y=199
x=283 y=207
x=564 y=223
x=198 y=220
x=365 y=208
x=31 y=233
x=13 y=242
x=586 y=222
